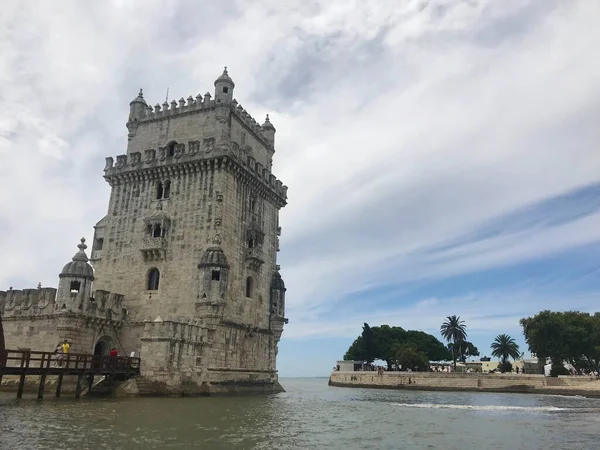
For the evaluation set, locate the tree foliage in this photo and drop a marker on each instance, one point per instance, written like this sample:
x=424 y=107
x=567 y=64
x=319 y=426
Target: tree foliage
x=571 y=336
x=463 y=350
x=505 y=347
x=385 y=345
x=454 y=330
x=408 y=356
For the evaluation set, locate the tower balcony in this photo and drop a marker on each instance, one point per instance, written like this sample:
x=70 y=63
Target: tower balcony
x=153 y=248
x=254 y=258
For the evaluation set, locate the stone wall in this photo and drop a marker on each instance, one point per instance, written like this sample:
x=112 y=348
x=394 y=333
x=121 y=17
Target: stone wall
x=437 y=381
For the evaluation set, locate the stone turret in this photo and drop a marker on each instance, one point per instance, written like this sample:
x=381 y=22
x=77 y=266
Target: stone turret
x=277 y=300
x=213 y=280
x=269 y=131
x=137 y=111
x=75 y=282
x=224 y=88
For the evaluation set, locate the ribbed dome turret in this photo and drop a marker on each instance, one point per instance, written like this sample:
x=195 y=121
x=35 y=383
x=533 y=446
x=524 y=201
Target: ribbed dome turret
x=225 y=78
x=268 y=125
x=214 y=257
x=79 y=266
x=277 y=282
x=139 y=99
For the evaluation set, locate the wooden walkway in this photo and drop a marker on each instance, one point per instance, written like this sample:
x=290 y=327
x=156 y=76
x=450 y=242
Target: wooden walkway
x=26 y=363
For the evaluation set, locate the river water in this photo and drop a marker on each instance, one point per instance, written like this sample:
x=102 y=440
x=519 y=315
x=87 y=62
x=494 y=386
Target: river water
x=310 y=415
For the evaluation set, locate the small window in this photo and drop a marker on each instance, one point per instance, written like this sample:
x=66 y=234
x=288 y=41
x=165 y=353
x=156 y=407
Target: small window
x=159 y=190
x=249 y=287
x=216 y=275
x=99 y=244
x=75 y=285
x=225 y=90
x=253 y=205
x=167 y=189
x=251 y=243
x=171 y=149
x=157 y=231
x=153 y=279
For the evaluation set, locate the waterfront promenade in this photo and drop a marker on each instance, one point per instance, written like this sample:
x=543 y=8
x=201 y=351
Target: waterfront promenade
x=476 y=382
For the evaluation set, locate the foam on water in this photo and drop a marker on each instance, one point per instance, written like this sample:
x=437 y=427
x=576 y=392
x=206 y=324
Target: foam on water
x=482 y=407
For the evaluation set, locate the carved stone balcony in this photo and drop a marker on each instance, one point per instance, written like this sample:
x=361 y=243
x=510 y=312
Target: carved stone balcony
x=254 y=258
x=153 y=248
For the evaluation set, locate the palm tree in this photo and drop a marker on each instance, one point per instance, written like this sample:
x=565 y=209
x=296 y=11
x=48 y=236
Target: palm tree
x=505 y=347
x=454 y=330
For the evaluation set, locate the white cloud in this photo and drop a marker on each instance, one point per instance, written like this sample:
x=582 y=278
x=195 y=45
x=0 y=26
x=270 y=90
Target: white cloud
x=401 y=126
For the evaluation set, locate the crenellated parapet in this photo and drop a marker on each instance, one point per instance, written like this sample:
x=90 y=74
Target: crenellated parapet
x=152 y=168
x=27 y=302
x=190 y=331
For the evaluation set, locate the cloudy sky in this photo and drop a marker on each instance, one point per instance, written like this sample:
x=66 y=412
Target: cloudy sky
x=442 y=155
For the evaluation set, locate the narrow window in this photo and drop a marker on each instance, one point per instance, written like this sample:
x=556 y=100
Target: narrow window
x=253 y=205
x=251 y=243
x=153 y=279
x=249 y=287
x=216 y=275
x=171 y=149
x=225 y=90
x=157 y=232
x=159 y=190
x=75 y=285
x=99 y=243
x=167 y=190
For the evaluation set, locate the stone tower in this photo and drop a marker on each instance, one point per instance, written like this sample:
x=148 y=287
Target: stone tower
x=191 y=239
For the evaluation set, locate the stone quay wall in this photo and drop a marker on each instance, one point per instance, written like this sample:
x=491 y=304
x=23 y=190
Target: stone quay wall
x=464 y=382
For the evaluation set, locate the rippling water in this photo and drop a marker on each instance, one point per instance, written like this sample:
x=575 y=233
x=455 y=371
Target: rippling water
x=310 y=415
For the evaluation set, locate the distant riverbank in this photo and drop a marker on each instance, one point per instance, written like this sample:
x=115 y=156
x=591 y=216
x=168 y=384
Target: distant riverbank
x=437 y=381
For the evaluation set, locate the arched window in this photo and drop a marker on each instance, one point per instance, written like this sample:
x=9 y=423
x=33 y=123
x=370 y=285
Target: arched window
x=153 y=279
x=167 y=190
x=171 y=149
x=249 y=287
x=159 y=190
x=157 y=231
x=253 y=205
x=251 y=243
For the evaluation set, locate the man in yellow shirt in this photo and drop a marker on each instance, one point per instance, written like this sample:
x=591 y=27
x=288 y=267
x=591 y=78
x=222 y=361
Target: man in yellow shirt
x=65 y=347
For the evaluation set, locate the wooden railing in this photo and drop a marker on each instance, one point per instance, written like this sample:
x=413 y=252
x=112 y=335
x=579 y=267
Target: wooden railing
x=27 y=362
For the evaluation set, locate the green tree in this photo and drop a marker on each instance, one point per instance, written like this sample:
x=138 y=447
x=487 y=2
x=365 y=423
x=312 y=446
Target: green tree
x=386 y=337
x=545 y=335
x=463 y=350
x=505 y=347
x=454 y=330
x=368 y=342
x=356 y=351
x=409 y=357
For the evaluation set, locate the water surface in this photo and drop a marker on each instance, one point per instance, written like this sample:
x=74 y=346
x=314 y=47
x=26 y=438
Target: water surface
x=310 y=415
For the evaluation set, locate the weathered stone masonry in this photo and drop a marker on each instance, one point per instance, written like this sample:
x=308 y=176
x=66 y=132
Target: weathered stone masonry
x=190 y=243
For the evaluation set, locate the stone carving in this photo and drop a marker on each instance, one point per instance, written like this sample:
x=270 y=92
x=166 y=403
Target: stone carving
x=136 y=157
x=209 y=145
x=149 y=154
x=162 y=153
x=179 y=150
x=193 y=147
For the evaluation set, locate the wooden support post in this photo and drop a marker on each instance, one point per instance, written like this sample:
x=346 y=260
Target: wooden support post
x=78 y=389
x=59 y=384
x=42 y=386
x=21 y=385
x=90 y=383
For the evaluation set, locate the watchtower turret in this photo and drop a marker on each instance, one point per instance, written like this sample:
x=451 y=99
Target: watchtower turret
x=269 y=131
x=75 y=282
x=224 y=88
x=137 y=110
